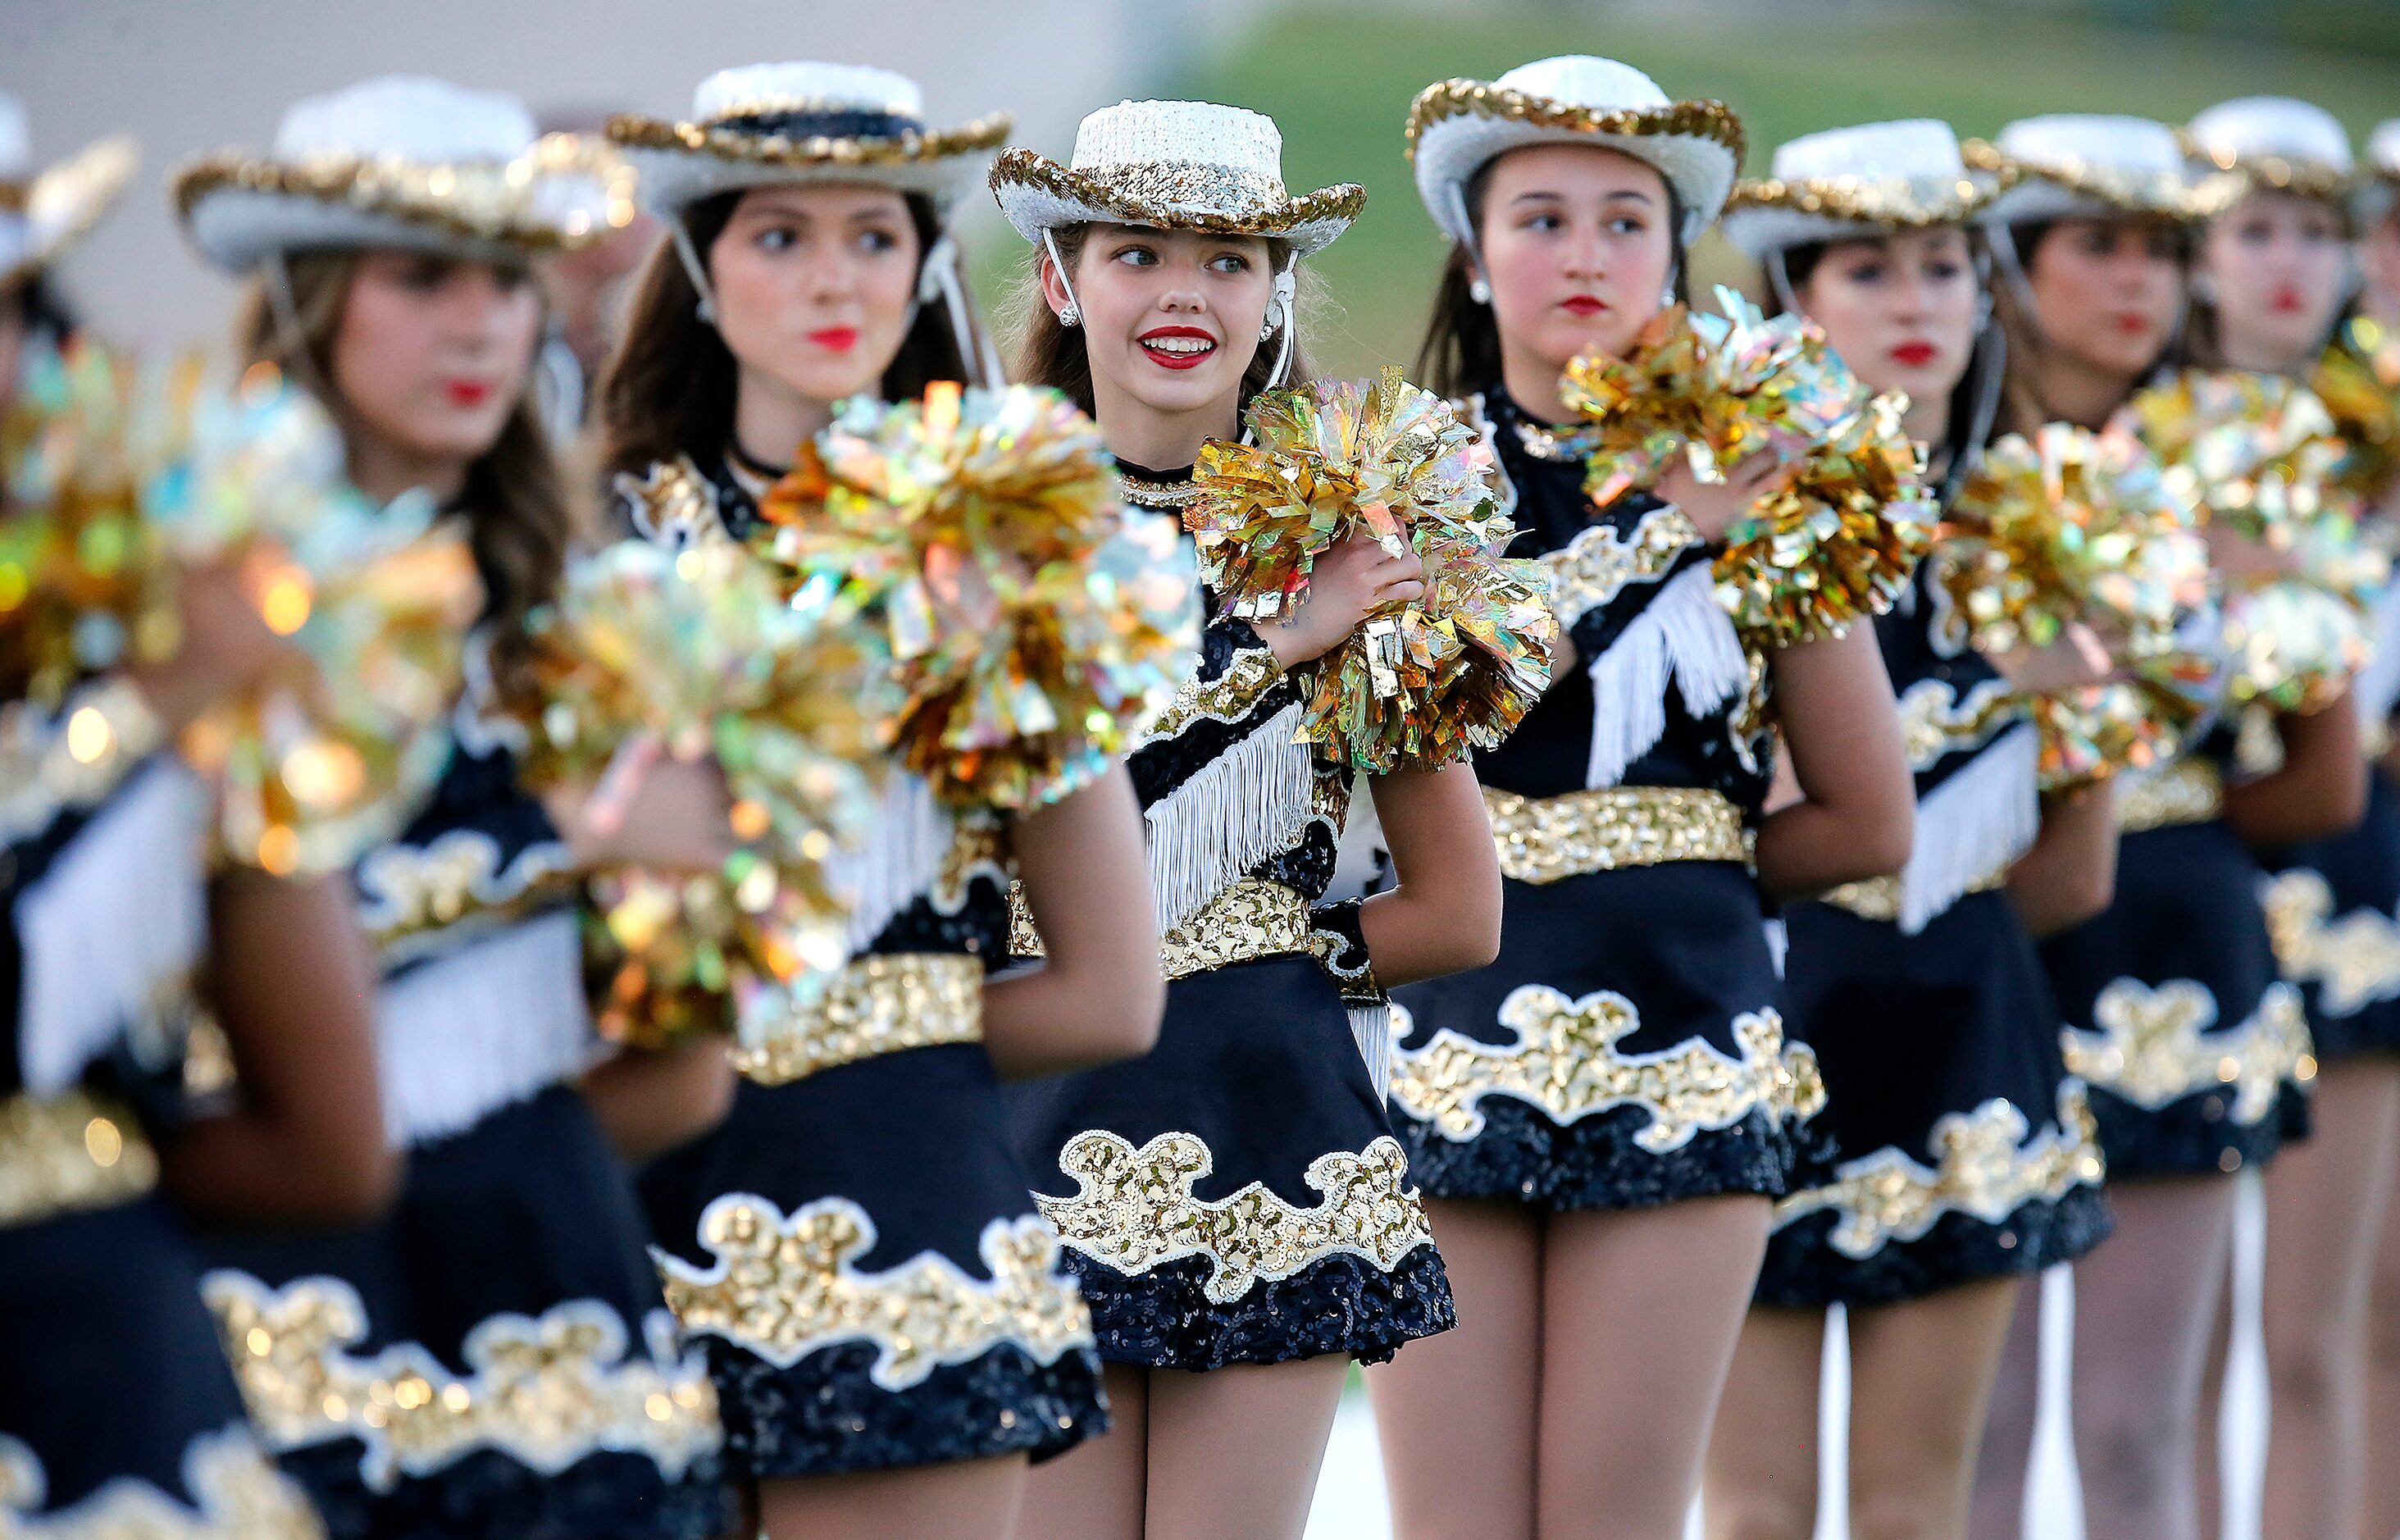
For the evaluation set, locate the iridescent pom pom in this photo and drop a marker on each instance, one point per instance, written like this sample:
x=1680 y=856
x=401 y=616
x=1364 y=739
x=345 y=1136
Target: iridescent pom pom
x=2358 y=380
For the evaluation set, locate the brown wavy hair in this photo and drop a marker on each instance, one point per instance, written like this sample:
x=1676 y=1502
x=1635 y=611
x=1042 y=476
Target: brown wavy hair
x=668 y=389
x=2022 y=408
x=522 y=523
x=1048 y=353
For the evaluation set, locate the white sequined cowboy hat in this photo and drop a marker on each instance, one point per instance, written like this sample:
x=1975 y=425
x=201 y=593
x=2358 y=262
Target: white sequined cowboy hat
x=403 y=161
x=43 y=213
x=2378 y=177
x=1458 y=126
x=1173 y=166
x=2091 y=166
x=764 y=124
x=1847 y=184
x=2278 y=143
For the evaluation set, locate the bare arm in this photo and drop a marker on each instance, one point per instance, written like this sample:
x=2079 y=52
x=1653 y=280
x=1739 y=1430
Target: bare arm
x=2070 y=873
x=1857 y=808
x=294 y=994
x=2319 y=788
x=1098 y=994
x=1444 y=915
x=651 y=1101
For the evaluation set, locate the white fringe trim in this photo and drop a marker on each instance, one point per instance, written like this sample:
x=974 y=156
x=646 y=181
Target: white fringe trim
x=492 y=1023
x=1371 y=1025
x=1683 y=634
x=121 y=916
x=1248 y=803
x=1972 y=824
x=900 y=861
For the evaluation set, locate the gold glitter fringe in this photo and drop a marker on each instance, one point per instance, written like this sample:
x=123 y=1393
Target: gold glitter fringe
x=2168 y=194
x=1545 y=838
x=880 y=1003
x=1886 y=201
x=631 y=131
x=479 y=200
x=1136 y=1209
x=2153 y=1046
x=2354 y=961
x=1180 y=196
x=783 y=1286
x=1565 y=1061
x=2303 y=178
x=69 y=1154
x=1447 y=99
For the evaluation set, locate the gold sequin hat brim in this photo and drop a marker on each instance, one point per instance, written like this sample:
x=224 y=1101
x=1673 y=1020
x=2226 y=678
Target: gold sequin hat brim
x=41 y=220
x=565 y=193
x=1775 y=215
x=2033 y=191
x=1036 y=194
x=681 y=163
x=1458 y=126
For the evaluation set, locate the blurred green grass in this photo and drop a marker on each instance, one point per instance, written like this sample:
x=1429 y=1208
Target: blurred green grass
x=1339 y=78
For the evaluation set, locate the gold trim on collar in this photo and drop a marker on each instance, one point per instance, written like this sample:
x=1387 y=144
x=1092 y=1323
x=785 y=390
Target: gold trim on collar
x=877 y=1005
x=1545 y=838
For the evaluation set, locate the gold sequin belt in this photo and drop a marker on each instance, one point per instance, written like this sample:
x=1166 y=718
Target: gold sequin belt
x=68 y=1155
x=1878 y=897
x=2189 y=791
x=1249 y=920
x=1544 y=839
x=876 y=1005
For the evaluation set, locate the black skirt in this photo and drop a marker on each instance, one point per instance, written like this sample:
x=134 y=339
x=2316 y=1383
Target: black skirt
x=2333 y=908
x=1961 y=1148
x=493 y=1360
x=1625 y=1050
x=116 y=1408
x=2195 y=1051
x=859 y=1254
x=1236 y=1195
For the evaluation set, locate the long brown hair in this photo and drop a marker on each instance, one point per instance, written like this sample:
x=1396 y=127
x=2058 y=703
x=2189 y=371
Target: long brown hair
x=669 y=387
x=2022 y=408
x=1461 y=350
x=1048 y=353
x=521 y=520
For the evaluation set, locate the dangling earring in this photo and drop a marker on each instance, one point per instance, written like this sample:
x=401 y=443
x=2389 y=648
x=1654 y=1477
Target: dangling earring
x=1479 y=290
x=1072 y=315
x=2204 y=288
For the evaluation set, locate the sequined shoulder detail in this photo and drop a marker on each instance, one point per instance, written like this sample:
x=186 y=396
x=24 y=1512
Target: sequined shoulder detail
x=1227 y=698
x=547 y=1390
x=783 y=1286
x=2156 y=1045
x=1989 y=1164
x=407 y=892
x=675 y=505
x=1595 y=566
x=237 y=1494
x=1936 y=721
x=1136 y=1209
x=1565 y=1061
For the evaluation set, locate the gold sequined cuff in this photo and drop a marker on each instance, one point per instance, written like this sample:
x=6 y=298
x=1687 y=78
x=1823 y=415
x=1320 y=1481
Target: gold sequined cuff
x=1877 y=898
x=1251 y=919
x=2189 y=791
x=1227 y=698
x=876 y=1005
x=49 y=765
x=1545 y=838
x=69 y=1154
x=1596 y=564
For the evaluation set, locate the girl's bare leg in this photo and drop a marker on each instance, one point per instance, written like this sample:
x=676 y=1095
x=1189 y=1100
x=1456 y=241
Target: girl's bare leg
x=1995 y=1510
x=1455 y=1414
x=970 y=1499
x=1762 y=1465
x=2383 y=1389
x=2145 y=1304
x=1921 y=1377
x=1236 y=1451
x=1096 y=1490
x=1641 y=1309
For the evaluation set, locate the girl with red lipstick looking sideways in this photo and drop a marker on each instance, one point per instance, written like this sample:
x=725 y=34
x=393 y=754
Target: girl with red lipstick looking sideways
x=856 y=1246
x=1964 y=1156
x=387 y=239
x=2269 y=286
x=1603 y=1117
x=2193 y=1048
x=1239 y=1215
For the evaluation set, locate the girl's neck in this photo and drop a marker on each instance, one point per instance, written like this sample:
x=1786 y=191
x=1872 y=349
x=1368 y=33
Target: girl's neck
x=1928 y=420
x=2074 y=391
x=384 y=470
x=771 y=421
x=1533 y=384
x=2238 y=354
x=1164 y=441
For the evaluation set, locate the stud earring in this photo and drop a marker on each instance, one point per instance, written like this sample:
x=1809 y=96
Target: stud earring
x=1071 y=316
x=1480 y=292
x=1275 y=318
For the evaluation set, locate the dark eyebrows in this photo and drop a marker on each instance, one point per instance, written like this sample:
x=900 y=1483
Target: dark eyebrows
x=1546 y=195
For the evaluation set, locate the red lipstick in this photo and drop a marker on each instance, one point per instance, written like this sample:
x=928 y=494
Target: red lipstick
x=1582 y=304
x=1914 y=355
x=466 y=393
x=835 y=339
x=2285 y=301
x=2132 y=325
x=1176 y=347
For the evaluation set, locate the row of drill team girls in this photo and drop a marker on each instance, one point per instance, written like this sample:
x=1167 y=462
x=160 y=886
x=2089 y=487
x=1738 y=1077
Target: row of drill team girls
x=1576 y=1208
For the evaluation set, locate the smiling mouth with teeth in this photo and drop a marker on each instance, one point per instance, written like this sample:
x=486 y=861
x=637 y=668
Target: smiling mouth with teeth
x=1180 y=349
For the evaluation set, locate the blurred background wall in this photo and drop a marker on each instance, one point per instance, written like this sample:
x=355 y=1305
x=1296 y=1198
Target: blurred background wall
x=187 y=75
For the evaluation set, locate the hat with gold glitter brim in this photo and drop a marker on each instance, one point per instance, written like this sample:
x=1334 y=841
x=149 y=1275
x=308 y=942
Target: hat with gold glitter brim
x=2278 y=144
x=2094 y=166
x=2378 y=177
x=760 y=125
x=408 y=162
x=1173 y=166
x=43 y=213
x=1853 y=183
x=1458 y=126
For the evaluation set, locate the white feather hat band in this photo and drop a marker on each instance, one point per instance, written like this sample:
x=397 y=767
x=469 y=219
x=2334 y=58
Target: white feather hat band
x=403 y=161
